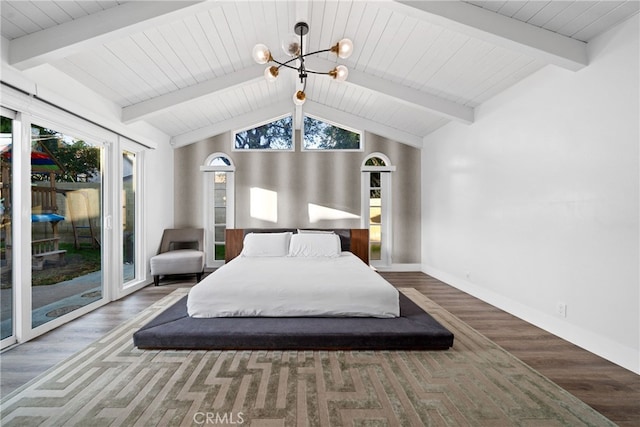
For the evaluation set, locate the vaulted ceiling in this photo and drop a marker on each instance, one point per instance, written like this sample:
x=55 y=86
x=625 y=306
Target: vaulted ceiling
x=186 y=68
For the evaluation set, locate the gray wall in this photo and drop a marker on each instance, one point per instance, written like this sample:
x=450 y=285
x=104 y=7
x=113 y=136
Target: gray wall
x=328 y=179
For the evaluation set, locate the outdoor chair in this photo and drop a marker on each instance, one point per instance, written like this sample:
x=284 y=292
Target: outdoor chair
x=181 y=252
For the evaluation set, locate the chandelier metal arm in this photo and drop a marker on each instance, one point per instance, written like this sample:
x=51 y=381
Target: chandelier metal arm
x=262 y=55
x=306 y=70
x=286 y=64
x=313 y=53
x=317 y=72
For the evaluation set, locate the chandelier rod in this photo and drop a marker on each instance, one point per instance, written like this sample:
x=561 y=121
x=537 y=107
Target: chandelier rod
x=286 y=64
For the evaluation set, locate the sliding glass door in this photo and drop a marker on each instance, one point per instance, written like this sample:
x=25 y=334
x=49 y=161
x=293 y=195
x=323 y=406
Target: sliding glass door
x=7 y=297
x=66 y=218
x=70 y=217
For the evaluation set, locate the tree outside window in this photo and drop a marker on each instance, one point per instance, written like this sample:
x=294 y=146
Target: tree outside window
x=320 y=135
x=275 y=135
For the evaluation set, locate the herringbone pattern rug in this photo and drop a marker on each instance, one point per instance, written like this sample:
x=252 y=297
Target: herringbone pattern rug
x=112 y=383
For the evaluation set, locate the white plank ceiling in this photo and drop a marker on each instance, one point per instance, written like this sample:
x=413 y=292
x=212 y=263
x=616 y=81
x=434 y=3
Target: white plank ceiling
x=186 y=67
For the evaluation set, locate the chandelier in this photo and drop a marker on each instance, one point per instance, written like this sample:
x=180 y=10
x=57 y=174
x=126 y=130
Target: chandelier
x=294 y=48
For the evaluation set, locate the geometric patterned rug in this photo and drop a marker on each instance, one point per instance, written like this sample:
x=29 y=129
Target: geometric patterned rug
x=475 y=383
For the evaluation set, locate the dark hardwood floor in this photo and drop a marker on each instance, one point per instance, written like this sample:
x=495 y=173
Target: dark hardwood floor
x=606 y=387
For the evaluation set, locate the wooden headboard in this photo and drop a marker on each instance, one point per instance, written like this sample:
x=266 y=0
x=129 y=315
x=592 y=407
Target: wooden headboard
x=354 y=240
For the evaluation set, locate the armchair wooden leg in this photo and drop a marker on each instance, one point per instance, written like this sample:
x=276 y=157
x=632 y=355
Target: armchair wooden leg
x=198 y=277
x=156 y=280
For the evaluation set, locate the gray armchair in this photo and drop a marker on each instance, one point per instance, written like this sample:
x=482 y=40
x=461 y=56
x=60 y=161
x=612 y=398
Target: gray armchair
x=181 y=252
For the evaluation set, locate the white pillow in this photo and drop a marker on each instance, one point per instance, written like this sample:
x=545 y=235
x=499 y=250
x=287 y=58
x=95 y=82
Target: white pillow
x=266 y=244
x=314 y=245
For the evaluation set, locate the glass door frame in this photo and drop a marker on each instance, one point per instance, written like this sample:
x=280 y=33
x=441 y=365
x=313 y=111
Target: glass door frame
x=105 y=221
x=15 y=131
x=21 y=165
x=140 y=235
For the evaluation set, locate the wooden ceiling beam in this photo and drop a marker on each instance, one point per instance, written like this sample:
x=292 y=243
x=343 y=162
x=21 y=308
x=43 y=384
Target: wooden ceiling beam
x=162 y=103
x=57 y=42
x=403 y=94
x=474 y=21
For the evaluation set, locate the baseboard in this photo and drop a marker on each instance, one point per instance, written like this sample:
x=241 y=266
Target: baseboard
x=602 y=346
x=400 y=267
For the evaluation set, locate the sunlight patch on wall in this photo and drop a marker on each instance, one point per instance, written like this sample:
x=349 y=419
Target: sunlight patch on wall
x=319 y=213
x=263 y=204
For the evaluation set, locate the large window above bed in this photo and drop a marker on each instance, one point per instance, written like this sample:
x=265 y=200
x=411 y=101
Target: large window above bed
x=271 y=136
x=323 y=136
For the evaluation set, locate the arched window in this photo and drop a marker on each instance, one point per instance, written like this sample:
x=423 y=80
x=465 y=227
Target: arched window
x=377 y=207
x=219 y=204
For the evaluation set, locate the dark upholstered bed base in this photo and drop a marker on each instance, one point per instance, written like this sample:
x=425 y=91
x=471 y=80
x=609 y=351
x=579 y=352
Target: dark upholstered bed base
x=413 y=330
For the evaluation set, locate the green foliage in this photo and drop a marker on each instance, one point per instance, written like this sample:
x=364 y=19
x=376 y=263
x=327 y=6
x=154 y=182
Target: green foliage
x=220 y=251
x=5 y=125
x=277 y=135
x=79 y=160
x=375 y=161
x=319 y=135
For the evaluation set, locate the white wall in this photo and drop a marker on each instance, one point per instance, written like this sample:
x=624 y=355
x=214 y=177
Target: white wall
x=537 y=202
x=158 y=209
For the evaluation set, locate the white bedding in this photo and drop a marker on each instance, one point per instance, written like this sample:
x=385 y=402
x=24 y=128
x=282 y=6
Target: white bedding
x=294 y=287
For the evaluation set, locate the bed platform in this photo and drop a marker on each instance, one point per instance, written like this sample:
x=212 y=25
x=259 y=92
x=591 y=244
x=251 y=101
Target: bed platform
x=413 y=330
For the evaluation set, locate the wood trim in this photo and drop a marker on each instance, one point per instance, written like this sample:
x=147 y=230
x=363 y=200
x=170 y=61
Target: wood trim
x=234 y=238
x=360 y=243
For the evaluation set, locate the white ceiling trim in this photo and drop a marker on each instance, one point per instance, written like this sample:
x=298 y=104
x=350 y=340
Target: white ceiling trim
x=412 y=97
x=98 y=28
x=236 y=123
x=538 y=43
x=356 y=122
x=162 y=103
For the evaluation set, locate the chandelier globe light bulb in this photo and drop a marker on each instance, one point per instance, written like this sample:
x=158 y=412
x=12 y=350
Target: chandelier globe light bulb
x=261 y=54
x=271 y=73
x=339 y=73
x=299 y=97
x=345 y=48
x=291 y=45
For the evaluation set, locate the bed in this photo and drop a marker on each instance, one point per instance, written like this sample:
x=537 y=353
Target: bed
x=290 y=311
x=321 y=280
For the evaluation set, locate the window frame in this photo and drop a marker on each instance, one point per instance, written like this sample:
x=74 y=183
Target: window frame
x=331 y=150
x=265 y=150
x=208 y=187
x=386 y=230
x=140 y=231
